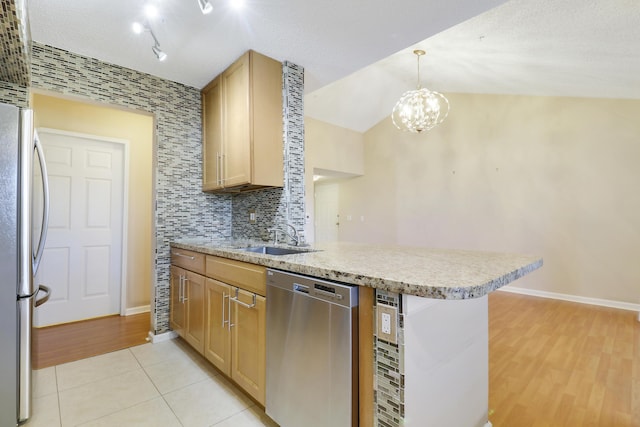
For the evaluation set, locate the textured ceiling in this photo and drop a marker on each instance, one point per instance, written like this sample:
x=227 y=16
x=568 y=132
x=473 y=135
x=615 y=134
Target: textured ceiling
x=576 y=48
x=329 y=38
x=357 y=54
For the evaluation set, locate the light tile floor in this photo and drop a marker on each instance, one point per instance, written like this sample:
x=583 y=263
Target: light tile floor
x=164 y=384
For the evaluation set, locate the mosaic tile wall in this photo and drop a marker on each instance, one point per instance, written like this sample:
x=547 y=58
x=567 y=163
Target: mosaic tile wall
x=278 y=205
x=11 y=93
x=389 y=369
x=182 y=209
x=14 y=54
x=15 y=43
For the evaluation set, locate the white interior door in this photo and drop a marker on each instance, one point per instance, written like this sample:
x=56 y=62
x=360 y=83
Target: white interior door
x=327 y=218
x=83 y=256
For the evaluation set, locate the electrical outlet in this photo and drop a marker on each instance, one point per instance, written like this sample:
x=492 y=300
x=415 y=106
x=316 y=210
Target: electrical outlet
x=252 y=216
x=386 y=317
x=386 y=323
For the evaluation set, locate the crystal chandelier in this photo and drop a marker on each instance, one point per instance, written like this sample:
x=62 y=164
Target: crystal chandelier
x=421 y=109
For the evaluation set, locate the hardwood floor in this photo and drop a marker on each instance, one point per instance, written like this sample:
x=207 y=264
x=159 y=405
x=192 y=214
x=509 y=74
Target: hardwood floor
x=58 y=344
x=557 y=363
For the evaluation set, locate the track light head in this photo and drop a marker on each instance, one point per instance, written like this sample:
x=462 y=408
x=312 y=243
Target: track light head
x=205 y=6
x=159 y=53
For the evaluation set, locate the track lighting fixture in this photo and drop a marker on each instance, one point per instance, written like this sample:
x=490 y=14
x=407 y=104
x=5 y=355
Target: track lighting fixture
x=159 y=53
x=205 y=6
x=139 y=28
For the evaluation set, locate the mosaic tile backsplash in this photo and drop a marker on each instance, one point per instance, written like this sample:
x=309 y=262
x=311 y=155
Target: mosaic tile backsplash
x=11 y=93
x=14 y=43
x=389 y=369
x=279 y=205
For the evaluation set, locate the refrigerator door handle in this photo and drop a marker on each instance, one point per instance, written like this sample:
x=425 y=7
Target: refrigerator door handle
x=45 y=209
x=45 y=298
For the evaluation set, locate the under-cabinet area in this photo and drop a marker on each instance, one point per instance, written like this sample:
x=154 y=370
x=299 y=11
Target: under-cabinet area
x=218 y=306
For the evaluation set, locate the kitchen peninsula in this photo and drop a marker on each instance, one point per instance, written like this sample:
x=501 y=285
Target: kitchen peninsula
x=434 y=369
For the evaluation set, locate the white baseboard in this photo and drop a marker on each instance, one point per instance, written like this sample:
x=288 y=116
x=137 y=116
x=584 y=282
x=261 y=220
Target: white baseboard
x=573 y=298
x=137 y=310
x=154 y=339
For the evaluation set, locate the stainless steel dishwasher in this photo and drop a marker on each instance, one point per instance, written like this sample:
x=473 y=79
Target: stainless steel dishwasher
x=312 y=351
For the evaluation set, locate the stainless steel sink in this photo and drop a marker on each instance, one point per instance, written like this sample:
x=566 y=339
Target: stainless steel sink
x=273 y=250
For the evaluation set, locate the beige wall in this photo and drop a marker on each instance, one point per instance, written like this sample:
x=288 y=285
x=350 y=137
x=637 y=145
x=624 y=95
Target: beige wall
x=556 y=177
x=329 y=150
x=137 y=128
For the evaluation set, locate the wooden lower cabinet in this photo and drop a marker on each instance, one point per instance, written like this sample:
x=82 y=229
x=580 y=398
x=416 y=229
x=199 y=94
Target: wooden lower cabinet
x=235 y=335
x=217 y=345
x=248 y=343
x=177 y=307
x=194 y=332
x=186 y=314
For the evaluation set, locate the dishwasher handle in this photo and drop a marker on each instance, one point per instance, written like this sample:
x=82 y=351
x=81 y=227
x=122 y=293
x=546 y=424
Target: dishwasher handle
x=328 y=294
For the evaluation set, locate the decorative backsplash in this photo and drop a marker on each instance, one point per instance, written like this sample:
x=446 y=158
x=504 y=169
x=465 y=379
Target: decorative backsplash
x=279 y=205
x=11 y=93
x=389 y=369
x=15 y=43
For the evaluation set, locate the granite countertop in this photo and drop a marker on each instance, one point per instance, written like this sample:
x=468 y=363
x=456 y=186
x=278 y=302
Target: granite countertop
x=425 y=272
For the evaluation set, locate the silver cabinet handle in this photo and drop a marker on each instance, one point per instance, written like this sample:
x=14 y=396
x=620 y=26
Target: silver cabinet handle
x=184 y=282
x=230 y=325
x=183 y=255
x=45 y=208
x=244 y=304
x=222 y=167
x=224 y=296
x=218 y=168
x=180 y=288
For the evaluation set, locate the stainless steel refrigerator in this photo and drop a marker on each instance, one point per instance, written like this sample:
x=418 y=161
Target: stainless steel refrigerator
x=22 y=238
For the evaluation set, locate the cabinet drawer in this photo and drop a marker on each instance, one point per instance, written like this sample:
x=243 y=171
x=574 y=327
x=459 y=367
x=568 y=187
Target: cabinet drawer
x=250 y=277
x=189 y=260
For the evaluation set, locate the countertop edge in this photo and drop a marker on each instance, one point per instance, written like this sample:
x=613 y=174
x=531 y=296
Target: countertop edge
x=296 y=264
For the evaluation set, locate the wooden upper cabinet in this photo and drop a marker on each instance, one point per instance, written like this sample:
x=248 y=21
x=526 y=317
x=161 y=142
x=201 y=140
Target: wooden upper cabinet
x=242 y=126
x=212 y=135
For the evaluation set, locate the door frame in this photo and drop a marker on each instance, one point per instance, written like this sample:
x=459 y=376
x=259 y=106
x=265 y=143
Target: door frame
x=125 y=201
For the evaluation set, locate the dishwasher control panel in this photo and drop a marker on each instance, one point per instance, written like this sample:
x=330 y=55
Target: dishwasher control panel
x=338 y=293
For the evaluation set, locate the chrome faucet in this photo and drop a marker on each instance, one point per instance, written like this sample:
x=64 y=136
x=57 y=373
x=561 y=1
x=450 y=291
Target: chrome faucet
x=278 y=229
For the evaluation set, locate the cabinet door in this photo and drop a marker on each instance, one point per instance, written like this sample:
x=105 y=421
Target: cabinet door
x=212 y=119
x=177 y=309
x=217 y=348
x=248 y=335
x=237 y=126
x=194 y=333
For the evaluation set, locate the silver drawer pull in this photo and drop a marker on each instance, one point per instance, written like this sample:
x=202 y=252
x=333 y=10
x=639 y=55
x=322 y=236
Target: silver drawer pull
x=183 y=256
x=244 y=304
